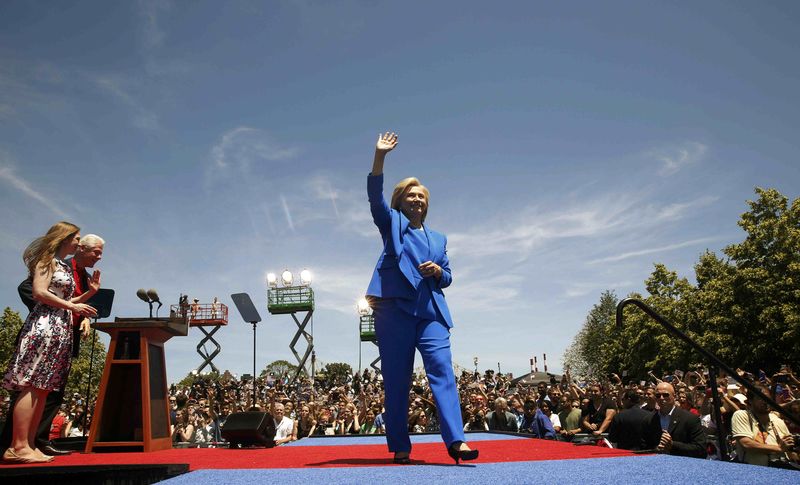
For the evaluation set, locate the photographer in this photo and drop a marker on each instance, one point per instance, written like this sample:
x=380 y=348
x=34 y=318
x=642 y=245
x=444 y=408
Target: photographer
x=184 y=428
x=762 y=437
x=476 y=419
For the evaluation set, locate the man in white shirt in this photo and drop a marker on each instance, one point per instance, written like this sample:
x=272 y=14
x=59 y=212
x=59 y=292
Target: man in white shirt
x=760 y=435
x=283 y=425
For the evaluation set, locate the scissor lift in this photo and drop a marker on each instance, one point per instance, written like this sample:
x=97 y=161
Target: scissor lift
x=294 y=300
x=202 y=315
x=367 y=331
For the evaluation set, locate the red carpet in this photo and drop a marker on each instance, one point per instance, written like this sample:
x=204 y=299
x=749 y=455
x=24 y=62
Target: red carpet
x=493 y=451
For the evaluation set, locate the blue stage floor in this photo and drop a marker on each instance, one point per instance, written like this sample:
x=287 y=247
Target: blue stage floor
x=634 y=470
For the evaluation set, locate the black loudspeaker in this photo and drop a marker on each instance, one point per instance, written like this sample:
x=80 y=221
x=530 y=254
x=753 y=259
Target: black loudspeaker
x=250 y=428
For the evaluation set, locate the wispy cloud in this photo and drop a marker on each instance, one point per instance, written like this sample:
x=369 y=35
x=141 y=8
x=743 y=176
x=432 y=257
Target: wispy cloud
x=142 y=117
x=243 y=146
x=676 y=211
x=323 y=189
x=531 y=228
x=478 y=294
x=7 y=174
x=660 y=249
x=674 y=158
x=287 y=213
x=151 y=10
x=575 y=290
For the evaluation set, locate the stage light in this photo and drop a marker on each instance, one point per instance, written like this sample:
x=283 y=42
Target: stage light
x=272 y=280
x=305 y=277
x=363 y=307
x=286 y=277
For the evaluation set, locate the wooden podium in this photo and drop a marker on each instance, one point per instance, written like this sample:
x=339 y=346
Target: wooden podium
x=132 y=409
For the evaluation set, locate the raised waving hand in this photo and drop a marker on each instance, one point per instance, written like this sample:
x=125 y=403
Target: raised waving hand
x=386 y=143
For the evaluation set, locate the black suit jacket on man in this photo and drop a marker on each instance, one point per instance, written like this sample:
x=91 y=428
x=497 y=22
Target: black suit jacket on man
x=688 y=437
x=634 y=429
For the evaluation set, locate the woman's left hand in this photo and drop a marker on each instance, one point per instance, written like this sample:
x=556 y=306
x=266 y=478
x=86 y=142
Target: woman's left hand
x=429 y=268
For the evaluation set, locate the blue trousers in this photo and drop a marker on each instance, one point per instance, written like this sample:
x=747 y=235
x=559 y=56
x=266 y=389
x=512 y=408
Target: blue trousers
x=399 y=333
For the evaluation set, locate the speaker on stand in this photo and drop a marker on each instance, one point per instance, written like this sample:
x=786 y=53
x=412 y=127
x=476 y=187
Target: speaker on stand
x=252 y=428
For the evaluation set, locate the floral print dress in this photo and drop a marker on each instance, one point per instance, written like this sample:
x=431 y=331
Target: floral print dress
x=44 y=351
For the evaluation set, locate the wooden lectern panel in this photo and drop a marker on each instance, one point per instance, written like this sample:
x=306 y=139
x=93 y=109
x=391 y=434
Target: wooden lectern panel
x=159 y=416
x=132 y=410
x=120 y=422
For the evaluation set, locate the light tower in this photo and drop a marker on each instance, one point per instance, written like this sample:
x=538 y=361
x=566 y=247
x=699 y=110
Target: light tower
x=294 y=300
x=366 y=326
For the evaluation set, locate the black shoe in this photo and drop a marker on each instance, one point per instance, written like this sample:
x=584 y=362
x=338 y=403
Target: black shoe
x=50 y=450
x=457 y=454
x=401 y=460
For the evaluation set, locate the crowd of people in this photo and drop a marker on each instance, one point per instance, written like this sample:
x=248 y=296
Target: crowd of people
x=671 y=414
x=626 y=413
x=71 y=418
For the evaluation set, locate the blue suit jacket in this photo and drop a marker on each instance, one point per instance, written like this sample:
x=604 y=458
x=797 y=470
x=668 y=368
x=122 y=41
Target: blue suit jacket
x=395 y=275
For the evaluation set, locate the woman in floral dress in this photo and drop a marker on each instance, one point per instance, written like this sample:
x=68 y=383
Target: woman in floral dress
x=41 y=361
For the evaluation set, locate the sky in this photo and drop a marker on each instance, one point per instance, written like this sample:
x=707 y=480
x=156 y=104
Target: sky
x=568 y=146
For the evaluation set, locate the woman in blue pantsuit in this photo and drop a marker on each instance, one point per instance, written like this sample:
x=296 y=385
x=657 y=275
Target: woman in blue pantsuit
x=410 y=311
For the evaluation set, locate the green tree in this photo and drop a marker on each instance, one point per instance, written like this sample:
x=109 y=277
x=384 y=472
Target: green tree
x=336 y=373
x=587 y=355
x=9 y=328
x=766 y=284
x=279 y=369
x=206 y=377
x=744 y=308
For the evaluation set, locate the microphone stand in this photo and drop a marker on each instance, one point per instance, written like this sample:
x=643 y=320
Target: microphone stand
x=89 y=384
x=102 y=300
x=254 y=364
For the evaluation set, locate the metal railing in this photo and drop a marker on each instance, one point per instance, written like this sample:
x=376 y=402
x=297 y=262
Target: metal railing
x=202 y=314
x=367 y=328
x=713 y=360
x=290 y=299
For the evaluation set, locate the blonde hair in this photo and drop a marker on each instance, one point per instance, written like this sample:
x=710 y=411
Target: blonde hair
x=401 y=190
x=42 y=251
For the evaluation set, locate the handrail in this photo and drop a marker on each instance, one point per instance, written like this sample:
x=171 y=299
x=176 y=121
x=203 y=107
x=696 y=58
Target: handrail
x=708 y=355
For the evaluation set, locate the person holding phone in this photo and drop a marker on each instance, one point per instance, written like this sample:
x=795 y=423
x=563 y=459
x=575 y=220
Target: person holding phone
x=761 y=436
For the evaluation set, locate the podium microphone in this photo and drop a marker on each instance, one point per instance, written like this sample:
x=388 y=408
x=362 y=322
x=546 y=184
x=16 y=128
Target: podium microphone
x=153 y=295
x=150 y=296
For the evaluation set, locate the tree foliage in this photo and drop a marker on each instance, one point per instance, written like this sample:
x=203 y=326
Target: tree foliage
x=744 y=307
x=586 y=355
x=279 y=369
x=335 y=373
